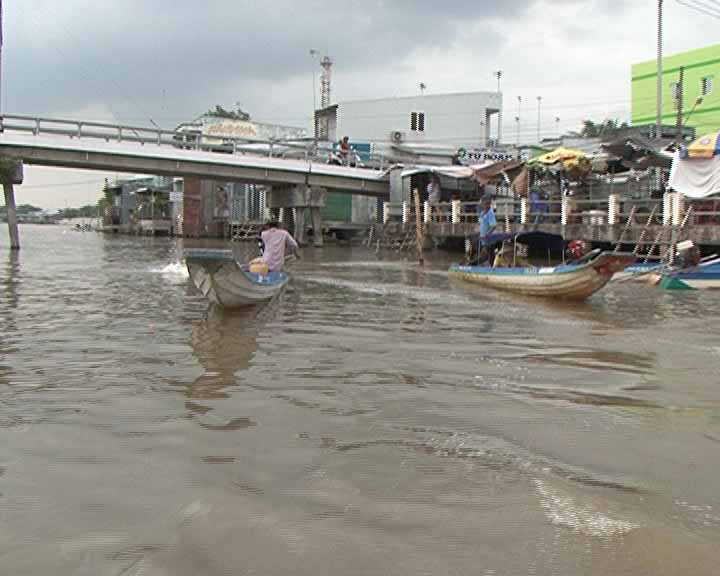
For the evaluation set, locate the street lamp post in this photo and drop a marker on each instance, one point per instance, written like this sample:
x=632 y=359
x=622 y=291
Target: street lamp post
x=539 y=101
x=517 y=119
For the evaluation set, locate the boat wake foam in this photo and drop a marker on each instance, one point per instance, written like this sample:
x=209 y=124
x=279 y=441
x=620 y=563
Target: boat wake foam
x=175 y=271
x=562 y=510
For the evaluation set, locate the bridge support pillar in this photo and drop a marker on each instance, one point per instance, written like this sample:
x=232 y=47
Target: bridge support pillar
x=11 y=216
x=301 y=197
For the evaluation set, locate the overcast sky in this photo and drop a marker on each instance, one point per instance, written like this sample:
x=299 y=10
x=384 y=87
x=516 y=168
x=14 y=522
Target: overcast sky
x=167 y=61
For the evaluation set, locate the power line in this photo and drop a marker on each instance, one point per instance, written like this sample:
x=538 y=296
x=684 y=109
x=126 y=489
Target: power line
x=63 y=184
x=711 y=11
x=706 y=4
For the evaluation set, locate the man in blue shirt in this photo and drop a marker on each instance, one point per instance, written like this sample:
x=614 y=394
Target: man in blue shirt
x=487 y=222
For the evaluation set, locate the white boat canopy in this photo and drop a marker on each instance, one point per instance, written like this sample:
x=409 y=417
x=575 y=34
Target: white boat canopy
x=695 y=177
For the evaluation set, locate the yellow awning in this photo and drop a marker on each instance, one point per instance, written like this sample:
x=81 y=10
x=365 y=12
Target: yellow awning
x=567 y=156
x=706 y=146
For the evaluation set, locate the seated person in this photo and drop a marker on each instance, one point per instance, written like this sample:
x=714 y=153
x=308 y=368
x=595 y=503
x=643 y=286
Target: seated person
x=504 y=257
x=575 y=250
x=688 y=254
x=275 y=241
x=512 y=256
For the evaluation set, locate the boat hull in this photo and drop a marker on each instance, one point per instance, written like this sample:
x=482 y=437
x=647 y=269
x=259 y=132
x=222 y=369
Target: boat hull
x=644 y=272
x=223 y=281
x=562 y=282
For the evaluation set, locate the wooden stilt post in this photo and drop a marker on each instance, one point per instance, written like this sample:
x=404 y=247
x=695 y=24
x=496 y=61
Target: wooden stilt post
x=11 y=216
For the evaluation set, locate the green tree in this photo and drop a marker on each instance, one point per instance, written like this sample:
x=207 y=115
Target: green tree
x=22 y=209
x=220 y=112
x=607 y=129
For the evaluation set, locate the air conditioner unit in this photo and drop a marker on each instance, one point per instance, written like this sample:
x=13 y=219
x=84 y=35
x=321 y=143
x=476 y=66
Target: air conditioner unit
x=397 y=136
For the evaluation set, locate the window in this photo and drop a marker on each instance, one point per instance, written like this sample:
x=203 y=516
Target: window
x=706 y=85
x=674 y=90
x=417 y=121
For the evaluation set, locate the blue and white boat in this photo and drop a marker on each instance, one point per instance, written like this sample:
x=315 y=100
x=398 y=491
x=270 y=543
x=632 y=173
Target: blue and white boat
x=703 y=276
x=224 y=281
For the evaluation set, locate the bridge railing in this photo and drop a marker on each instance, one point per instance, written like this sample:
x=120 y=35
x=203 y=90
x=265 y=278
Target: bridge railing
x=188 y=140
x=137 y=134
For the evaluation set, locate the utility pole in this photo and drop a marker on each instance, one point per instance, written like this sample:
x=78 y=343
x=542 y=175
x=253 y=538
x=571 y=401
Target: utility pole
x=1 y=47
x=679 y=104
x=659 y=87
x=314 y=53
x=498 y=75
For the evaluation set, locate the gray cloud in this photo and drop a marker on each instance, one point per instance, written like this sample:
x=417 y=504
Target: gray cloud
x=170 y=60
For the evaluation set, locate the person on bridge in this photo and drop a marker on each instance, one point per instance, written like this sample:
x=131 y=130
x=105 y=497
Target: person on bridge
x=345 y=150
x=275 y=241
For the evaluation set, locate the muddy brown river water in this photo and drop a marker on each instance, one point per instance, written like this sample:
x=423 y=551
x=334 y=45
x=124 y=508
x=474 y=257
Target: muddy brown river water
x=376 y=419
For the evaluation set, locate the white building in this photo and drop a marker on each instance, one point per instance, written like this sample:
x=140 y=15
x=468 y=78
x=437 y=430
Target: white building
x=462 y=120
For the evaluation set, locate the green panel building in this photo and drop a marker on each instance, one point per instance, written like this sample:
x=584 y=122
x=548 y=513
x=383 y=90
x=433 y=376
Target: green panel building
x=338 y=207
x=701 y=78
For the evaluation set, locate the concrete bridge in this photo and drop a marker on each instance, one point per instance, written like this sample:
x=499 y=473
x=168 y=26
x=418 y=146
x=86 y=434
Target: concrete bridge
x=134 y=149
x=116 y=148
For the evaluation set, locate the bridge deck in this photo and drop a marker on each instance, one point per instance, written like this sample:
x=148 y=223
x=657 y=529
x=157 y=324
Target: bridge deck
x=96 y=154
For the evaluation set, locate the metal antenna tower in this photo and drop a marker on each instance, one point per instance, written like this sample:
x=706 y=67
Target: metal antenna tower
x=325 y=82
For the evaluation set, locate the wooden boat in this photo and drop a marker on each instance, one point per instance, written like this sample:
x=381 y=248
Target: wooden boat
x=566 y=281
x=225 y=282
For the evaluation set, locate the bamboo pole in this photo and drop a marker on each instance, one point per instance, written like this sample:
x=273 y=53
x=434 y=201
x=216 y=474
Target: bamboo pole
x=669 y=257
x=626 y=229
x=419 y=240
x=658 y=237
x=645 y=229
